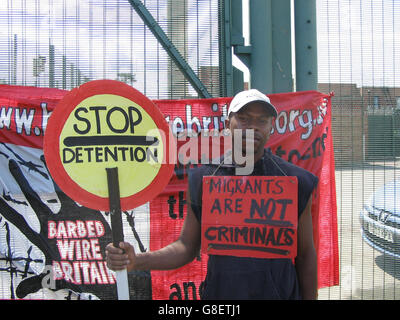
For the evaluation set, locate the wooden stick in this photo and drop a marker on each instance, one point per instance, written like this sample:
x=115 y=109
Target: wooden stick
x=117 y=228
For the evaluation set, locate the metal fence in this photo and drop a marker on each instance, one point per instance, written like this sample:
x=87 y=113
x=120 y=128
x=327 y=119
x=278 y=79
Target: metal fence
x=359 y=59
x=63 y=43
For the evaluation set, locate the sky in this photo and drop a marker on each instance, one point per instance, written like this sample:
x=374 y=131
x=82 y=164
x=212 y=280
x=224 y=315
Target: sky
x=358 y=42
x=100 y=38
x=357 y=39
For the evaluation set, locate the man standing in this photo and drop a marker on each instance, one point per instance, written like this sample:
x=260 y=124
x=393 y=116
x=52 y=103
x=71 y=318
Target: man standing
x=230 y=277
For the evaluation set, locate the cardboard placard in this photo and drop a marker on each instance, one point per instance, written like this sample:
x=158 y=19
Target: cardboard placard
x=104 y=124
x=250 y=216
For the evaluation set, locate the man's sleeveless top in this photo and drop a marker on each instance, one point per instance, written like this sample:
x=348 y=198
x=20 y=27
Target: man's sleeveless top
x=230 y=277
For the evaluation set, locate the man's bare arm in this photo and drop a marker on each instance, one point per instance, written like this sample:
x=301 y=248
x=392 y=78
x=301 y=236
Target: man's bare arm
x=173 y=256
x=306 y=260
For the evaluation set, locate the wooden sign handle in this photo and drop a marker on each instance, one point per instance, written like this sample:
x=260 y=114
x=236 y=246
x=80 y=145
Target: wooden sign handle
x=117 y=228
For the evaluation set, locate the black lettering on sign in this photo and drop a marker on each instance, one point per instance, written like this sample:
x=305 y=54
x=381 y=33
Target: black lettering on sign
x=96 y=111
x=234 y=186
x=84 y=120
x=266 y=209
x=105 y=154
x=236 y=237
x=190 y=291
x=103 y=116
x=111 y=125
x=228 y=206
x=250 y=216
x=171 y=206
x=93 y=145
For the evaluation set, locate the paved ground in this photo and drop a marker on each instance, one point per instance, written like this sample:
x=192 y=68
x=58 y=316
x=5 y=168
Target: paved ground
x=364 y=272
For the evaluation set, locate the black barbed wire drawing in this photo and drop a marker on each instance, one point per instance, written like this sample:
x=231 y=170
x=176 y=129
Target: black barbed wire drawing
x=23 y=280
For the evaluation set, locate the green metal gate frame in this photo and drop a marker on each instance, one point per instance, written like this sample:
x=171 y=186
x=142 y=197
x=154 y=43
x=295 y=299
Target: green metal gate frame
x=269 y=57
x=169 y=47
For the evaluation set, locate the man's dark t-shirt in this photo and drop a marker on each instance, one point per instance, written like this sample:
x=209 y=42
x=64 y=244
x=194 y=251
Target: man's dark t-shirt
x=230 y=277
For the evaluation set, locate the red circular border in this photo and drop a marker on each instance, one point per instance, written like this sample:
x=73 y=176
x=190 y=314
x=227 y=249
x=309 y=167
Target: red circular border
x=56 y=123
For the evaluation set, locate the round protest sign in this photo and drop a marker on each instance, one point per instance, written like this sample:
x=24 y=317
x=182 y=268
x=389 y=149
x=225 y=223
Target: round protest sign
x=104 y=124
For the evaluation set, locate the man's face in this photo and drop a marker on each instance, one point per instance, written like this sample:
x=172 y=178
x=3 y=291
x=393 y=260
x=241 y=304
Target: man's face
x=256 y=117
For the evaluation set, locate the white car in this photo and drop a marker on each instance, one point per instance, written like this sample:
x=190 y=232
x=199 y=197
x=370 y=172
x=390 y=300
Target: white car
x=380 y=219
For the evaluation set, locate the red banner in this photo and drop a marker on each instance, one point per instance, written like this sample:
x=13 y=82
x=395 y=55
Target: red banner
x=301 y=134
